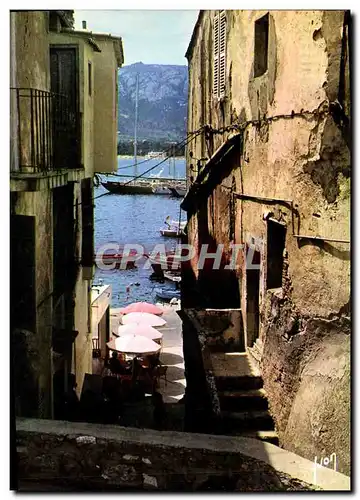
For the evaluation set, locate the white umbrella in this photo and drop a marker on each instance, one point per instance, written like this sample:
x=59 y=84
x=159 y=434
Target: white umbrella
x=134 y=344
x=142 y=330
x=143 y=319
x=142 y=307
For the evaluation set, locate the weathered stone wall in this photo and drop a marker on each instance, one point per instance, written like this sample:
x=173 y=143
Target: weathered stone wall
x=212 y=229
x=90 y=457
x=222 y=327
x=306 y=370
x=301 y=156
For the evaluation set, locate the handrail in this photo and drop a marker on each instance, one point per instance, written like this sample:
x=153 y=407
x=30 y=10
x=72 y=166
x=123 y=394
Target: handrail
x=47 y=135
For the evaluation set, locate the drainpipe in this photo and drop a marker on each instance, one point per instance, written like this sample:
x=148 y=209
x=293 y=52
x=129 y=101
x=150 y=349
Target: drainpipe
x=14 y=153
x=262 y=199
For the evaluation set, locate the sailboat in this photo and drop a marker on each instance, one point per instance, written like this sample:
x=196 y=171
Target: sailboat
x=135 y=186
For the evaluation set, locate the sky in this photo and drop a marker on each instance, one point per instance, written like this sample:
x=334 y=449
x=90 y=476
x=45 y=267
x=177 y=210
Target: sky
x=149 y=36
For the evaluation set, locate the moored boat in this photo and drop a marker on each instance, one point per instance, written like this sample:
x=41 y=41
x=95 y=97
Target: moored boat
x=121 y=188
x=161 y=189
x=174 y=229
x=173 y=276
x=166 y=294
x=178 y=192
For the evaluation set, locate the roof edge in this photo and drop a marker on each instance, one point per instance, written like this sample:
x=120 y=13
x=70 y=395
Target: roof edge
x=188 y=53
x=92 y=36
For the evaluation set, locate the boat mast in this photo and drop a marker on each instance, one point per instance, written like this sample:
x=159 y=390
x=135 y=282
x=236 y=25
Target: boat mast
x=136 y=122
x=173 y=152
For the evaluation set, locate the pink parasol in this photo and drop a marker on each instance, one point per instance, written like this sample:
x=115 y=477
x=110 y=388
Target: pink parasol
x=134 y=344
x=135 y=329
x=142 y=307
x=143 y=318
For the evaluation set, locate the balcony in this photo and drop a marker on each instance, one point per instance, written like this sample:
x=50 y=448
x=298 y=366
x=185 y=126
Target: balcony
x=45 y=140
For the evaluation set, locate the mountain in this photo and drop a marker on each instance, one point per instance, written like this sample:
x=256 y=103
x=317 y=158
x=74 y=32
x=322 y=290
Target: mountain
x=162 y=104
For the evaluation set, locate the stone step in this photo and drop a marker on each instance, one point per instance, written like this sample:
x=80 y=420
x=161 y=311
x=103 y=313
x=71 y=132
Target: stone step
x=253 y=399
x=255 y=352
x=267 y=436
x=246 y=420
x=228 y=383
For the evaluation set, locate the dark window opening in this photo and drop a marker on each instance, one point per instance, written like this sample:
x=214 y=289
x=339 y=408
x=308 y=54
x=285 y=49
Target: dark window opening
x=261 y=45
x=64 y=265
x=22 y=272
x=90 y=78
x=276 y=234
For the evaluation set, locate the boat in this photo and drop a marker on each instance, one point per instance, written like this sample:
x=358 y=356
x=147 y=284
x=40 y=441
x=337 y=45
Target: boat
x=166 y=294
x=178 y=192
x=171 y=233
x=175 y=277
x=174 y=229
x=155 y=154
x=116 y=258
x=161 y=189
x=159 y=264
x=121 y=188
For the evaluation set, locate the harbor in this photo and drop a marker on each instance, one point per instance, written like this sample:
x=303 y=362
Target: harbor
x=137 y=219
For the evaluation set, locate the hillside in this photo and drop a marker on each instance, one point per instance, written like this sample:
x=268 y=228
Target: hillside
x=162 y=107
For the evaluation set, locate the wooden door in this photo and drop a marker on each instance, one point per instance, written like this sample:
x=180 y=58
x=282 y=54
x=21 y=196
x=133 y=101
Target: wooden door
x=64 y=83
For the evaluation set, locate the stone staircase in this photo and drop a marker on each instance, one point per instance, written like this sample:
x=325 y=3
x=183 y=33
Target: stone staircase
x=256 y=352
x=243 y=402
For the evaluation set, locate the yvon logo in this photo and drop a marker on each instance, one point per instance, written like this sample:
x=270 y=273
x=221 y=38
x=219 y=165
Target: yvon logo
x=327 y=462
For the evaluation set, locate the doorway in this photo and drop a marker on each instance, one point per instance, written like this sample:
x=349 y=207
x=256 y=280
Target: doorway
x=252 y=305
x=276 y=235
x=66 y=124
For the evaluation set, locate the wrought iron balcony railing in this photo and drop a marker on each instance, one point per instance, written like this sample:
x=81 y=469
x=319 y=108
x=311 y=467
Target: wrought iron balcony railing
x=45 y=131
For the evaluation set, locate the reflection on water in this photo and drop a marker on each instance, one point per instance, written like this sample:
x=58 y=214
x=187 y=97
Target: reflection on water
x=135 y=219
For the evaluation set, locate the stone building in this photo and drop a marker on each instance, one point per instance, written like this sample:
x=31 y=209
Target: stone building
x=63 y=131
x=268 y=169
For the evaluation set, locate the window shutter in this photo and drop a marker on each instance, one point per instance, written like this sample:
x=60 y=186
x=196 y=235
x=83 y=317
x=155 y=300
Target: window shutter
x=222 y=53
x=216 y=56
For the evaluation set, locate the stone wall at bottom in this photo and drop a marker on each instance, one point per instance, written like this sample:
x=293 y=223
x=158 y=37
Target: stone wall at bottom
x=77 y=456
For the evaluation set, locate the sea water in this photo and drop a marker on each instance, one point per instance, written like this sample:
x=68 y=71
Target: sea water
x=135 y=219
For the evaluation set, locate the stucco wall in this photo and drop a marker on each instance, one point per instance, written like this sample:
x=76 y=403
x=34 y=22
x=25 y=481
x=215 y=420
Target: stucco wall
x=87 y=107
x=83 y=342
x=82 y=354
x=300 y=157
x=105 y=110
x=39 y=204
x=30 y=48
x=85 y=54
x=32 y=45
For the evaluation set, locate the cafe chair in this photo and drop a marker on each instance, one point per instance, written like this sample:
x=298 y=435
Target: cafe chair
x=96 y=353
x=160 y=372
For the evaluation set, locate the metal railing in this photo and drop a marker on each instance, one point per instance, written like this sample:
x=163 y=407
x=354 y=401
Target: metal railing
x=45 y=131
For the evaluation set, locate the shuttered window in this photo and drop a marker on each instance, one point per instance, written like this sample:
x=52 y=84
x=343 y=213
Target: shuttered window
x=219 y=53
